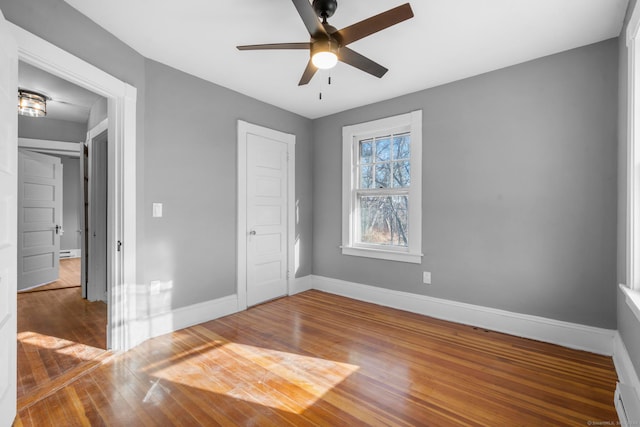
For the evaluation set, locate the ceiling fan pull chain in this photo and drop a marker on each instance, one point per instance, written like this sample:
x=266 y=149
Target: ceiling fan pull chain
x=321 y=84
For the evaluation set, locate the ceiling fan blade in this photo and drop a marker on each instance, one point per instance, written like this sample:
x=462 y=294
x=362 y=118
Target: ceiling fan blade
x=275 y=46
x=363 y=63
x=310 y=19
x=374 y=24
x=309 y=72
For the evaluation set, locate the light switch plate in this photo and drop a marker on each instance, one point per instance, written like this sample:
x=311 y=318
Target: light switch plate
x=426 y=277
x=157 y=210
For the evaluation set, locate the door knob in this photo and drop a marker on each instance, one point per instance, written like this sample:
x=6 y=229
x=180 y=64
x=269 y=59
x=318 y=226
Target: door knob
x=252 y=233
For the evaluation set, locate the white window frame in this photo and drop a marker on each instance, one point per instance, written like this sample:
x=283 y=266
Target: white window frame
x=632 y=288
x=351 y=135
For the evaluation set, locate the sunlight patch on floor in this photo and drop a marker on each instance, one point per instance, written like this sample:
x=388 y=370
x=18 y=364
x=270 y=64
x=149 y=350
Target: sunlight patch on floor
x=281 y=380
x=59 y=345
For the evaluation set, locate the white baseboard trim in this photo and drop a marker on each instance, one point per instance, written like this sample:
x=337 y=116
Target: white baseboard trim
x=572 y=335
x=627 y=397
x=159 y=324
x=624 y=366
x=300 y=284
x=150 y=326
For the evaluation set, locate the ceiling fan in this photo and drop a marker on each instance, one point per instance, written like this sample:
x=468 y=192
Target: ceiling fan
x=328 y=45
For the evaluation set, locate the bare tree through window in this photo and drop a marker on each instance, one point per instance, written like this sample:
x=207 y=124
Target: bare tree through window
x=384 y=179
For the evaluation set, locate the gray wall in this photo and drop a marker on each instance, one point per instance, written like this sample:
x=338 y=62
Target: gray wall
x=190 y=167
x=628 y=324
x=519 y=189
x=70 y=203
x=99 y=112
x=52 y=129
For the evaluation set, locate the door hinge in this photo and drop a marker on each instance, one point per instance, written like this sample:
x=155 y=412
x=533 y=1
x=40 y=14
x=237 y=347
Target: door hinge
x=119 y=245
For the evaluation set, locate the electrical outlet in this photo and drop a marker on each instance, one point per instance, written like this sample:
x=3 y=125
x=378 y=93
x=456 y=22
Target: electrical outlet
x=426 y=277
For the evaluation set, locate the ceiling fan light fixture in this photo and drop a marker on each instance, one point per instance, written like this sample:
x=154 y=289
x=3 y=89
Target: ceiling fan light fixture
x=31 y=104
x=324 y=60
x=324 y=54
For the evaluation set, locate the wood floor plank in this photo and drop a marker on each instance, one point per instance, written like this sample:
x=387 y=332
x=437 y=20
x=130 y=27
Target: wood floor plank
x=321 y=359
x=58 y=333
x=51 y=386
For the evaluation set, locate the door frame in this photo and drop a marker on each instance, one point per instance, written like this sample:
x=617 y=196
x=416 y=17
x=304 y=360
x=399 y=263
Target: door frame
x=245 y=128
x=121 y=217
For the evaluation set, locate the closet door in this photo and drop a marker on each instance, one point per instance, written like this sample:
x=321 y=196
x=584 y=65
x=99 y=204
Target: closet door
x=39 y=218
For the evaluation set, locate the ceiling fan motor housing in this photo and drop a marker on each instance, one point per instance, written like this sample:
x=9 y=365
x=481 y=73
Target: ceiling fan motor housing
x=327 y=45
x=325 y=8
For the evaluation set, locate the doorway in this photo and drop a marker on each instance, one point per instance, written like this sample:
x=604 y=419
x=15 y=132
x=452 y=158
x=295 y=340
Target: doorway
x=121 y=217
x=18 y=43
x=266 y=214
x=59 y=334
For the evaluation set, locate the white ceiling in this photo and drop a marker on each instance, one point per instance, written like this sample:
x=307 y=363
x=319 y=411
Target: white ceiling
x=447 y=40
x=68 y=101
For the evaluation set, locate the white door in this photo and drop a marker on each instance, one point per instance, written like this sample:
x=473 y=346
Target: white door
x=8 y=233
x=39 y=218
x=97 y=261
x=266 y=217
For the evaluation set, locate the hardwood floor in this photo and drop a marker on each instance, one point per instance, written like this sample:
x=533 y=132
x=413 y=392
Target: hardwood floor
x=320 y=359
x=60 y=335
x=68 y=276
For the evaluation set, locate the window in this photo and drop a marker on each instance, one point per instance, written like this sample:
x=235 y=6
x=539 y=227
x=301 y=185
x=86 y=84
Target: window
x=632 y=288
x=633 y=153
x=382 y=188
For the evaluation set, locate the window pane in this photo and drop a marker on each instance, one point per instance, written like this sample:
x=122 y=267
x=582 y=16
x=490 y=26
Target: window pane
x=366 y=177
x=383 y=149
x=402 y=146
x=366 y=151
x=384 y=220
x=401 y=174
x=383 y=175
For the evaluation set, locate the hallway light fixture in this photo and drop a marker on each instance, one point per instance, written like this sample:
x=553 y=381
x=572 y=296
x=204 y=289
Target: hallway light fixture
x=31 y=104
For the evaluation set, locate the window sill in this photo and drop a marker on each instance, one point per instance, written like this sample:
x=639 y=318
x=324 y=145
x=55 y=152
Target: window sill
x=414 y=258
x=633 y=300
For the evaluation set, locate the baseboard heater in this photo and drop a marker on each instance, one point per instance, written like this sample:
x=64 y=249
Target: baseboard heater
x=69 y=253
x=627 y=405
